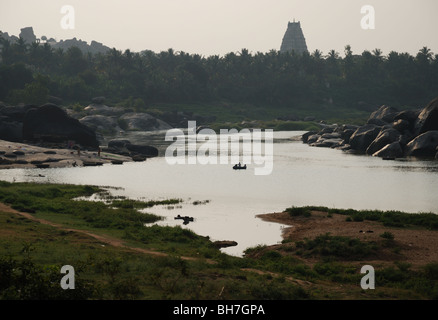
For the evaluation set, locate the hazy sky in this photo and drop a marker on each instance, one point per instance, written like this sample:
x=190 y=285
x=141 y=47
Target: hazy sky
x=210 y=27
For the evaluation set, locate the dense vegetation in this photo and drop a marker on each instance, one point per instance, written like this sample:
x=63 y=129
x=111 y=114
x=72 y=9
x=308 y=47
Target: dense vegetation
x=291 y=84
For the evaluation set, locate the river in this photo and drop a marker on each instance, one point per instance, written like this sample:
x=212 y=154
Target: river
x=229 y=200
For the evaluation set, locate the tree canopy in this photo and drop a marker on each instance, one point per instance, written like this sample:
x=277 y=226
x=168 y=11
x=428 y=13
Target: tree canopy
x=270 y=79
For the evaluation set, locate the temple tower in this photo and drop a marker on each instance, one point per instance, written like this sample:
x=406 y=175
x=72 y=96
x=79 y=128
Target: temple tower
x=293 y=39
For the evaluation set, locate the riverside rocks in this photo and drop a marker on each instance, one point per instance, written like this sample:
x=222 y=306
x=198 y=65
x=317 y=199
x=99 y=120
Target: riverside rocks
x=424 y=145
x=428 y=118
x=126 y=148
x=388 y=134
x=51 y=123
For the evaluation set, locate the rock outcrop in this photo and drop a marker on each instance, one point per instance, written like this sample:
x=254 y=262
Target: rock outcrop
x=11 y=122
x=50 y=123
x=143 y=122
x=424 y=145
x=27 y=35
x=427 y=119
x=126 y=148
x=388 y=134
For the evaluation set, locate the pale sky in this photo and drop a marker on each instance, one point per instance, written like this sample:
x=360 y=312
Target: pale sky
x=210 y=27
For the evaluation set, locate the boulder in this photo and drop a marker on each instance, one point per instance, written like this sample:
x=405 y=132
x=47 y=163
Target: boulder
x=392 y=150
x=427 y=119
x=384 y=114
x=143 y=122
x=5 y=162
x=138 y=158
x=15 y=113
x=401 y=125
x=28 y=35
x=147 y=151
x=363 y=137
x=313 y=138
x=306 y=136
x=346 y=134
x=423 y=146
x=103 y=110
x=11 y=131
x=50 y=123
x=101 y=123
x=118 y=144
x=333 y=135
x=327 y=143
x=408 y=115
x=385 y=137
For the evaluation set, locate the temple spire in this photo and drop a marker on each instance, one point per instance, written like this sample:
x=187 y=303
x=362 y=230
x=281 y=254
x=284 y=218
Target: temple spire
x=293 y=39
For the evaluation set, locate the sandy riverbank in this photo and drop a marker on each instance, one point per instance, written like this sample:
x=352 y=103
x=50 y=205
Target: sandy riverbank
x=418 y=246
x=19 y=155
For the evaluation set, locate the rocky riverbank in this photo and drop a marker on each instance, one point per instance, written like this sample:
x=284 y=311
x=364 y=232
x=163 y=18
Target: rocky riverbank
x=388 y=133
x=20 y=155
x=47 y=136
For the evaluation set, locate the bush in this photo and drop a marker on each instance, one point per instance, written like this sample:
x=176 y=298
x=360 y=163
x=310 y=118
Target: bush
x=299 y=211
x=387 y=235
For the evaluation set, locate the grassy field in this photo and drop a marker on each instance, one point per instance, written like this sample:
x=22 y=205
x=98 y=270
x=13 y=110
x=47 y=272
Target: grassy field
x=153 y=262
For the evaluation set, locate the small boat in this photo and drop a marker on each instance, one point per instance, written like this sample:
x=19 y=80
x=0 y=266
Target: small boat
x=239 y=167
x=116 y=161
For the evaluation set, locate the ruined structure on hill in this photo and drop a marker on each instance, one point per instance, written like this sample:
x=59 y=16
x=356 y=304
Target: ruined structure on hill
x=293 y=39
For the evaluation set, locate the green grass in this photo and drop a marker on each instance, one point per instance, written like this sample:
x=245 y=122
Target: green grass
x=337 y=247
x=31 y=255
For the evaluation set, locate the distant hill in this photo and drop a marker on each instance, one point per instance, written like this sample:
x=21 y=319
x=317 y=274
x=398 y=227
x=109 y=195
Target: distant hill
x=28 y=36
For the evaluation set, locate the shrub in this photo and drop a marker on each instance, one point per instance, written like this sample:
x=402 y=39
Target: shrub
x=387 y=235
x=299 y=211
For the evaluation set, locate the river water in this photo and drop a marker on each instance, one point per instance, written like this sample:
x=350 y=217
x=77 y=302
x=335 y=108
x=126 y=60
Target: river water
x=229 y=200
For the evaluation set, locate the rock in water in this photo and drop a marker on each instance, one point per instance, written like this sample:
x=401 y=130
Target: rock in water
x=428 y=118
x=384 y=113
x=385 y=137
x=392 y=150
x=363 y=137
x=143 y=122
x=147 y=151
x=425 y=145
x=50 y=123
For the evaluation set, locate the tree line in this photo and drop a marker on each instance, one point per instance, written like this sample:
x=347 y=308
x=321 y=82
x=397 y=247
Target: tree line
x=31 y=73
